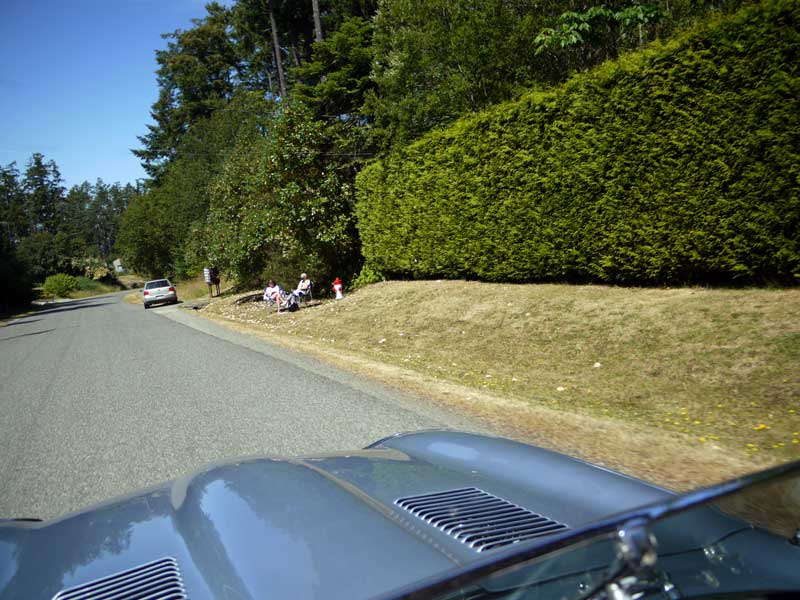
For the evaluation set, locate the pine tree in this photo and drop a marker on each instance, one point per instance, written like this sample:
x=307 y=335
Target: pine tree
x=44 y=194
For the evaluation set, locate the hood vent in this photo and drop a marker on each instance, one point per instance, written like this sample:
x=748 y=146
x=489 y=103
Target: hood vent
x=157 y=580
x=479 y=519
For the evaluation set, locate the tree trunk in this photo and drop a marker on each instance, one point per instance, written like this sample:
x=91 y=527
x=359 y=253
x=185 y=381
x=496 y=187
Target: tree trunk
x=278 y=63
x=317 y=21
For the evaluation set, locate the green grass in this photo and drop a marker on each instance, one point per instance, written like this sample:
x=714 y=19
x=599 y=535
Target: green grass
x=718 y=367
x=195 y=288
x=88 y=287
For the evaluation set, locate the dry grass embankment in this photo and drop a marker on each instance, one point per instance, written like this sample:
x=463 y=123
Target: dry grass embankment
x=97 y=288
x=190 y=289
x=681 y=386
x=131 y=280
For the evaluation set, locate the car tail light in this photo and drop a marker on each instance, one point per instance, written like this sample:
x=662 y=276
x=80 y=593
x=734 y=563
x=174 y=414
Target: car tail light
x=172 y=289
x=146 y=293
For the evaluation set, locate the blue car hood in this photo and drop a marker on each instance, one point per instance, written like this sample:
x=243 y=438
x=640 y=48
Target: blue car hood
x=313 y=527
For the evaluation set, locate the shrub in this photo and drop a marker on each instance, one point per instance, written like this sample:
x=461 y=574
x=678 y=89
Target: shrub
x=17 y=288
x=87 y=283
x=59 y=285
x=367 y=276
x=676 y=164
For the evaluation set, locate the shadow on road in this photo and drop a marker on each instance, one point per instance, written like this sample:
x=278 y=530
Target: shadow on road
x=13 y=337
x=21 y=322
x=67 y=306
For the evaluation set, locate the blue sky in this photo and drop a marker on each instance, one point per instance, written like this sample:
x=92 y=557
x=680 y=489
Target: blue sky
x=77 y=78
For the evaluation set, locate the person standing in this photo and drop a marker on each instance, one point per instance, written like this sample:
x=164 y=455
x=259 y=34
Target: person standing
x=208 y=280
x=215 y=279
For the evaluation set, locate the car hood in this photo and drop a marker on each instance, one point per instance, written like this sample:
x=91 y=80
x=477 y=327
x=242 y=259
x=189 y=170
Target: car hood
x=314 y=527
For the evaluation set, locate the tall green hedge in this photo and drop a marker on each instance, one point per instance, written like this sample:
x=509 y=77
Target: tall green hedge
x=677 y=164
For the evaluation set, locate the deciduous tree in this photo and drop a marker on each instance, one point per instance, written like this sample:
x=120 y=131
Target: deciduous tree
x=282 y=204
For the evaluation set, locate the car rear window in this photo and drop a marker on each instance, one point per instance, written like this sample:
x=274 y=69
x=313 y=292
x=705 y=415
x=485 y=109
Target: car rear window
x=156 y=284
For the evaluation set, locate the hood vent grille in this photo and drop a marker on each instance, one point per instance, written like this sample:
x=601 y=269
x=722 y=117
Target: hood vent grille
x=479 y=519
x=157 y=580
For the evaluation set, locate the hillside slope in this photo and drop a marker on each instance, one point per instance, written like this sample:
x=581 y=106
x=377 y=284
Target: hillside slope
x=682 y=386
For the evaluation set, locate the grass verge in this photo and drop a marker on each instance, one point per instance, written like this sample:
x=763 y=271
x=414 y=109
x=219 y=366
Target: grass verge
x=681 y=386
x=189 y=289
x=89 y=287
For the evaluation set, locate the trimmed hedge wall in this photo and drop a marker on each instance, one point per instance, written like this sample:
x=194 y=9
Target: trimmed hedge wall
x=680 y=163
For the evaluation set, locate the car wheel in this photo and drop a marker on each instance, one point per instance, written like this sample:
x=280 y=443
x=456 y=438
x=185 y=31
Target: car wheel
x=146 y=306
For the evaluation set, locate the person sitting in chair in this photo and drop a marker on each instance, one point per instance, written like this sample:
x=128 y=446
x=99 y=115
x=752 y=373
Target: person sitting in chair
x=304 y=287
x=273 y=294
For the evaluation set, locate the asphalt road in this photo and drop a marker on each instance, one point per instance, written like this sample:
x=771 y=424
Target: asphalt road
x=99 y=398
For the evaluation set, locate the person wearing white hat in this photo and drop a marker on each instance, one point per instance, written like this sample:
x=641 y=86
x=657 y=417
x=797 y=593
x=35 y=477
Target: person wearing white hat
x=303 y=287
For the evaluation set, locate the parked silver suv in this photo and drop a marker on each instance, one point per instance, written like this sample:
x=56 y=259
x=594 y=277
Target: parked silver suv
x=157 y=291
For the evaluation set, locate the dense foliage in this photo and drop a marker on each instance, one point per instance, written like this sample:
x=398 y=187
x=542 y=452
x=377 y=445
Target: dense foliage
x=59 y=285
x=439 y=59
x=267 y=109
x=247 y=176
x=281 y=206
x=671 y=165
x=17 y=288
x=157 y=228
x=46 y=229
x=196 y=75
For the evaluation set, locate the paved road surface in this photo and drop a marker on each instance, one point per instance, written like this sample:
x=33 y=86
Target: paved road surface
x=99 y=398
